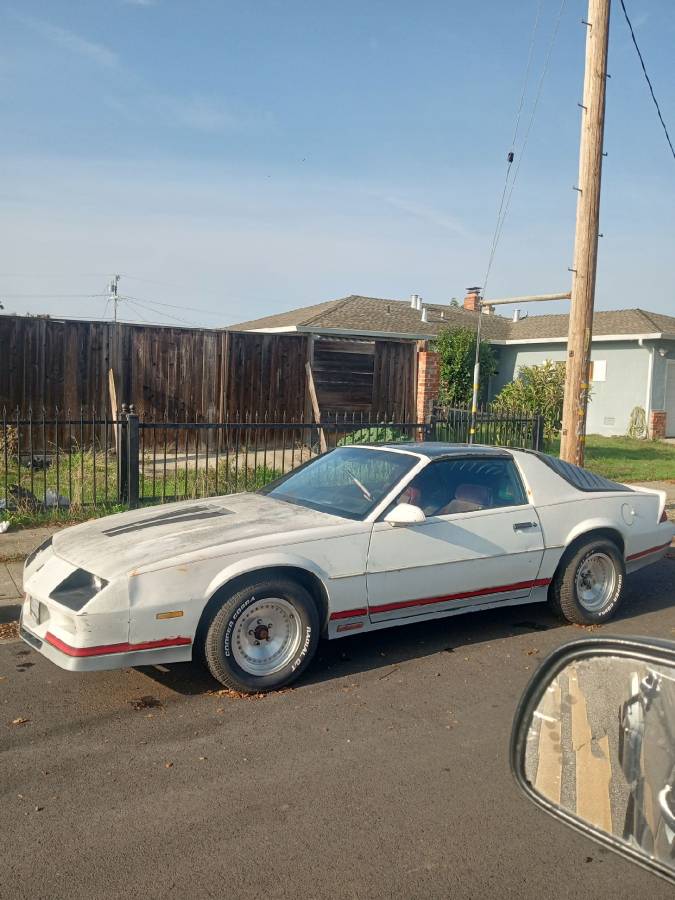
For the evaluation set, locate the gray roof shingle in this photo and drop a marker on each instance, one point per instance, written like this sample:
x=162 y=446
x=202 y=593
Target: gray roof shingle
x=364 y=315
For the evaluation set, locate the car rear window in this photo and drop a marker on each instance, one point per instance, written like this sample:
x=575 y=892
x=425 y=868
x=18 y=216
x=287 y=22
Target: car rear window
x=581 y=479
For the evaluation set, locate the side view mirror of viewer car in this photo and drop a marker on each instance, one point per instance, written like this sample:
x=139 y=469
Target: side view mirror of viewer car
x=593 y=744
x=405 y=514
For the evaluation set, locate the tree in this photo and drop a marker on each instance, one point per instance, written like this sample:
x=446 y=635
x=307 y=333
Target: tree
x=536 y=389
x=456 y=348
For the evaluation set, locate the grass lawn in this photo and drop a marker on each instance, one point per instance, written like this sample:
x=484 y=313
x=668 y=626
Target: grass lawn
x=91 y=486
x=627 y=459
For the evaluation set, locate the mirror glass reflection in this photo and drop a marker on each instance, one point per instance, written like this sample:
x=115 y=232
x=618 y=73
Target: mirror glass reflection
x=601 y=745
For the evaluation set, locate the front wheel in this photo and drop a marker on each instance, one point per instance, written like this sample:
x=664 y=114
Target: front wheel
x=587 y=588
x=263 y=636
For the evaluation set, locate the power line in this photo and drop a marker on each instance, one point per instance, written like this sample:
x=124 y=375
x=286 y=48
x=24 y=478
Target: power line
x=53 y=275
x=208 y=312
x=505 y=204
x=54 y=296
x=141 y=317
x=145 y=305
x=530 y=123
x=644 y=69
x=170 y=284
x=530 y=54
x=511 y=154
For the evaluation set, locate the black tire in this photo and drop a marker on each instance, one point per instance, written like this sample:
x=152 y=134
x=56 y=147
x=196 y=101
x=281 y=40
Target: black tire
x=563 y=594
x=224 y=637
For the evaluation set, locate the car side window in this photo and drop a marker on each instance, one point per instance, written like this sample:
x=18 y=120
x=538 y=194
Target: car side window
x=452 y=486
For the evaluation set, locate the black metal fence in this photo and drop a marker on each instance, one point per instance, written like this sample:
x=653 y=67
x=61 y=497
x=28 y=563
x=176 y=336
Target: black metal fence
x=87 y=460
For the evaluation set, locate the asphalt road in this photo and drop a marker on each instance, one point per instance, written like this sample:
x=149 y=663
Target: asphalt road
x=384 y=773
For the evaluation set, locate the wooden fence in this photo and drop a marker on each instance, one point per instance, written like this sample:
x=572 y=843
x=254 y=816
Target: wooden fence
x=196 y=374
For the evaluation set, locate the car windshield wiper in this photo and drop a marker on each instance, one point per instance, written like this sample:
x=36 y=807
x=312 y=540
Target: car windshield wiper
x=364 y=490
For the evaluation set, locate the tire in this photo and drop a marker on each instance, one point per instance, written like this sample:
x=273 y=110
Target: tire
x=263 y=636
x=587 y=587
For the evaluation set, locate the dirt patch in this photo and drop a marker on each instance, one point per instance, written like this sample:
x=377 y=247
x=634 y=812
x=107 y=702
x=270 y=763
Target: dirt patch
x=9 y=631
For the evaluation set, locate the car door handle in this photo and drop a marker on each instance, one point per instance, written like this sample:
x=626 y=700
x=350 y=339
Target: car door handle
x=523 y=526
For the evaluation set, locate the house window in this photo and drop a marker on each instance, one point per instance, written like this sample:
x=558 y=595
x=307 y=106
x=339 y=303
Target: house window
x=599 y=370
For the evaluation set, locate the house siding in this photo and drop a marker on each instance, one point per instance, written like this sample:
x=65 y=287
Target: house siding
x=625 y=385
x=662 y=383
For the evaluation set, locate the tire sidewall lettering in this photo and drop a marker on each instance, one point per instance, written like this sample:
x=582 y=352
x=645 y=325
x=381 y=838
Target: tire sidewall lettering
x=305 y=647
x=227 y=648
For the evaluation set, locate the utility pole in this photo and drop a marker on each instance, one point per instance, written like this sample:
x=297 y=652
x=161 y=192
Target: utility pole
x=577 y=374
x=112 y=294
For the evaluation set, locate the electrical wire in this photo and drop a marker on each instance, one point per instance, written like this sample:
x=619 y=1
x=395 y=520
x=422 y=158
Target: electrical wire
x=144 y=304
x=648 y=79
x=170 y=284
x=209 y=312
x=521 y=103
x=140 y=316
x=530 y=54
x=530 y=123
x=54 y=296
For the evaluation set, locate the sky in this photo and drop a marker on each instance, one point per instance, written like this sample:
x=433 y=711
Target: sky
x=234 y=159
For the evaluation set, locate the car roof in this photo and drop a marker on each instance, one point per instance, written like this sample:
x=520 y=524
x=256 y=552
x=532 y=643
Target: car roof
x=436 y=449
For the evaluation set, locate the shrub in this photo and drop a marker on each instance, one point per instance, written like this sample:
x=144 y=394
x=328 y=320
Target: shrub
x=374 y=434
x=536 y=389
x=456 y=348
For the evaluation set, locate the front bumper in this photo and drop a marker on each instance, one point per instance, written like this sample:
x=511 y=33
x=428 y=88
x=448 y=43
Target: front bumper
x=102 y=657
x=91 y=637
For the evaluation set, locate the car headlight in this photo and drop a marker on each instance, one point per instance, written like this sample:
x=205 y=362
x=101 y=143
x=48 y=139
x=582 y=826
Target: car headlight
x=77 y=589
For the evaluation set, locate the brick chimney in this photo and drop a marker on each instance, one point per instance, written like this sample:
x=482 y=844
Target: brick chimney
x=472 y=299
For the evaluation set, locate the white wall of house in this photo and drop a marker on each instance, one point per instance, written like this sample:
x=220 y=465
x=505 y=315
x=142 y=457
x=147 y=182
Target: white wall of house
x=621 y=379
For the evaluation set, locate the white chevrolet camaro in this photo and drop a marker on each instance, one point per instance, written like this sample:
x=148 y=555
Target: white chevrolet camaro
x=363 y=537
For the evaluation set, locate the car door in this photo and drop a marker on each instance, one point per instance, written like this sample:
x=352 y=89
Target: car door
x=481 y=542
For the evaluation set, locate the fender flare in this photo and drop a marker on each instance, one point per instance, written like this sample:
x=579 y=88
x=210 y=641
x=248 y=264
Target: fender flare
x=589 y=526
x=266 y=560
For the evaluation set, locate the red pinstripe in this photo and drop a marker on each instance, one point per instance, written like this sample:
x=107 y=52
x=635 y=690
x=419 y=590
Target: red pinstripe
x=647 y=552
x=427 y=601
x=104 y=649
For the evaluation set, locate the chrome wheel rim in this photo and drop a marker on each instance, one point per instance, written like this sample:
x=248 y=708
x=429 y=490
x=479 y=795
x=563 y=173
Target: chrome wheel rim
x=266 y=636
x=595 y=581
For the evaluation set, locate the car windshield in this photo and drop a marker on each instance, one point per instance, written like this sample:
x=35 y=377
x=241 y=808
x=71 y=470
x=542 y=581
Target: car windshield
x=348 y=481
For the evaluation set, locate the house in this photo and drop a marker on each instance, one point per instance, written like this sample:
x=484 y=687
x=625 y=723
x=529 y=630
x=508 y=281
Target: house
x=632 y=350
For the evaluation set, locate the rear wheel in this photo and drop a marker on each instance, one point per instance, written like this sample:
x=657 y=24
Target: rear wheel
x=587 y=588
x=263 y=636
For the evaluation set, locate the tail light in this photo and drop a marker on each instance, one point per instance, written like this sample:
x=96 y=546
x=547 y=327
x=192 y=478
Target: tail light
x=664 y=516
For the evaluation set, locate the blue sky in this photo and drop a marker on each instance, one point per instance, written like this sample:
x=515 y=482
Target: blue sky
x=238 y=158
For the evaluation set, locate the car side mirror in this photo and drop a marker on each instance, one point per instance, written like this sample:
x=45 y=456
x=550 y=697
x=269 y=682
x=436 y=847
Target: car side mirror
x=593 y=744
x=405 y=514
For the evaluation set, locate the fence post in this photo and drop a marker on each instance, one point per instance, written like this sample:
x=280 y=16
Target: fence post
x=538 y=433
x=122 y=456
x=132 y=457
x=430 y=427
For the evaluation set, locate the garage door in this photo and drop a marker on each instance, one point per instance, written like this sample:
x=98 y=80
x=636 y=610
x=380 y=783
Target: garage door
x=670 y=399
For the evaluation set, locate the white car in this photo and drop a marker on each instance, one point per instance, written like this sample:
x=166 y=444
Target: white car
x=363 y=537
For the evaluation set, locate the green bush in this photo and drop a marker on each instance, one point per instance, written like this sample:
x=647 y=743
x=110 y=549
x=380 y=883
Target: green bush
x=536 y=389
x=456 y=348
x=374 y=434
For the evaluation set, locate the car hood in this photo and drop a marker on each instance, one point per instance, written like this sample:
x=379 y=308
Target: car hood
x=119 y=544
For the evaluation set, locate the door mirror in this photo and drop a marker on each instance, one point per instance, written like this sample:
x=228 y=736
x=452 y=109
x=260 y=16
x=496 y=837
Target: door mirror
x=593 y=744
x=405 y=514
